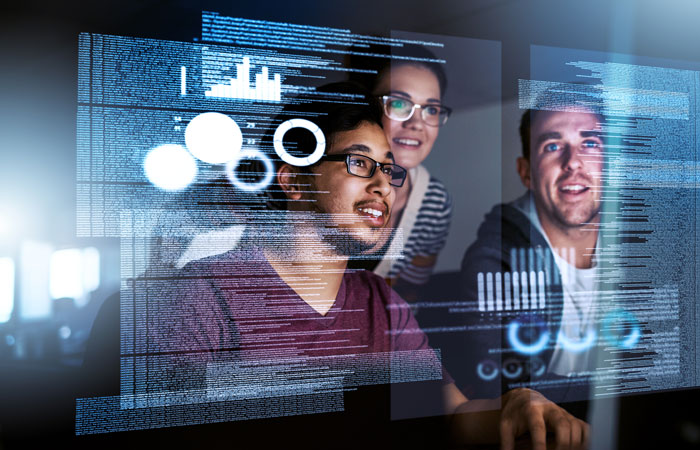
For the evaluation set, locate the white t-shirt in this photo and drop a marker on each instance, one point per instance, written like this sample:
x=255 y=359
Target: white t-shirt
x=572 y=354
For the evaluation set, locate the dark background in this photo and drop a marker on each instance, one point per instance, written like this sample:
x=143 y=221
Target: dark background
x=38 y=80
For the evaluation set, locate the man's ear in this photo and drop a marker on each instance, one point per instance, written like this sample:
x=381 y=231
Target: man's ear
x=288 y=180
x=524 y=172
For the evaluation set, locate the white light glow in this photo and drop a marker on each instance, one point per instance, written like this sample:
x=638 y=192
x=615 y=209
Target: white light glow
x=91 y=269
x=12 y=221
x=66 y=273
x=7 y=288
x=74 y=273
x=64 y=332
x=170 y=167
x=34 y=301
x=214 y=138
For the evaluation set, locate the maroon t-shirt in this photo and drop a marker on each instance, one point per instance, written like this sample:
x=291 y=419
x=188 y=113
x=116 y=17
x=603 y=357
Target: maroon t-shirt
x=236 y=304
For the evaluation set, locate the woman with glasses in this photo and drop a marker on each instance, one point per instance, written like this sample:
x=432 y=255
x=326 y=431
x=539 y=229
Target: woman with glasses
x=411 y=91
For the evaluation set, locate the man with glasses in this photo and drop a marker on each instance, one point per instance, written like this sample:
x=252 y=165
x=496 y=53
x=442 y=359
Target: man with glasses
x=286 y=296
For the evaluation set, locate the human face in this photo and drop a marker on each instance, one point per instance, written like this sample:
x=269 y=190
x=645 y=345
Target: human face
x=412 y=140
x=565 y=168
x=360 y=207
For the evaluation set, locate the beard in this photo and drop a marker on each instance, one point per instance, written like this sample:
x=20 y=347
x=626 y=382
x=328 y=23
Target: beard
x=580 y=216
x=344 y=243
x=347 y=244
x=311 y=234
x=347 y=241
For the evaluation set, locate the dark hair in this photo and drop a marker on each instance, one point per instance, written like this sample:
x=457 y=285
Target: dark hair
x=334 y=108
x=368 y=69
x=563 y=97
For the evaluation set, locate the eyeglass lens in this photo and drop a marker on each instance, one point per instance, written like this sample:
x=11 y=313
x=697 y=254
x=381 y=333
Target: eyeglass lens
x=364 y=166
x=398 y=108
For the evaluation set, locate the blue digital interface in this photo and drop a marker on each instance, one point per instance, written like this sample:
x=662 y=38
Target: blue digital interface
x=163 y=129
x=176 y=151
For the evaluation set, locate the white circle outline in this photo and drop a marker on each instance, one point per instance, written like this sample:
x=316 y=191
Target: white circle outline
x=250 y=153
x=295 y=160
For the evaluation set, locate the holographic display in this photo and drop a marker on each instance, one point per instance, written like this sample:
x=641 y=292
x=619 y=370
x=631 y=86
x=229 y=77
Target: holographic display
x=169 y=134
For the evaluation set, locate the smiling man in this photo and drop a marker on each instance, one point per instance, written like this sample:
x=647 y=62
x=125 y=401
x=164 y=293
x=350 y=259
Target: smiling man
x=562 y=168
x=285 y=306
x=531 y=273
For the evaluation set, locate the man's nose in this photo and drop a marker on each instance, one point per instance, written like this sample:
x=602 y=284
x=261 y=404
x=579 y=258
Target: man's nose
x=379 y=184
x=572 y=159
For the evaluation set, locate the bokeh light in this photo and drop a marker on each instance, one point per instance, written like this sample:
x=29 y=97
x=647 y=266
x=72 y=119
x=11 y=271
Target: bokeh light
x=213 y=138
x=170 y=167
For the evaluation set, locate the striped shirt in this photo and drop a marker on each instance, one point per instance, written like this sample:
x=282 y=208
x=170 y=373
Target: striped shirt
x=422 y=231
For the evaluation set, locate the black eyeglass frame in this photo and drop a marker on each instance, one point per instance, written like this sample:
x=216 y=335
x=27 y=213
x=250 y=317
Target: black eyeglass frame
x=385 y=98
x=345 y=157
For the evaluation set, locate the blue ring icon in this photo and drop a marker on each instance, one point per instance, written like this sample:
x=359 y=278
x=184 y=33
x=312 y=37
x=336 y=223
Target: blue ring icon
x=621 y=320
x=576 y=346
x=526 y=349
x=518 y=369
x=483 y=366
x=536 y=367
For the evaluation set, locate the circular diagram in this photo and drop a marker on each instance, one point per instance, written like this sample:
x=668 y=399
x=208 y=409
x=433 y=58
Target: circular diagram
x=487 y=370
x=250 y=154
x=314 y=157
x=534 y=330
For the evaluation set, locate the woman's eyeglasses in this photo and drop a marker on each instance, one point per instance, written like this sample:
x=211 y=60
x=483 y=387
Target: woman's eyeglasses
x=401 y=109
x=364 y=166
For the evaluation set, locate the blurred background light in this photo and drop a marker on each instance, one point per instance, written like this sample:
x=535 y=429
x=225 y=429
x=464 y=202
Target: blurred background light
x=7 y=288
x=34 y=301
x=65 y=273
x=74 y=273
x=91 y=272
x=12 y=222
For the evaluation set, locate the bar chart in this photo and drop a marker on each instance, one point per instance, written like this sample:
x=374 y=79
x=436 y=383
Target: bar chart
x=264 y=89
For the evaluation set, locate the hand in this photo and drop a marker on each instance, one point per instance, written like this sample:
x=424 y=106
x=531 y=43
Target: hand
x=525 y=410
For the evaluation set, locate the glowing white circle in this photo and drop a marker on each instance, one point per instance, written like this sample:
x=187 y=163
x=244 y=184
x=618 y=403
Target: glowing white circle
x=170 y=167
x=295 y=160
x=251 y=154
x=214 y=138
